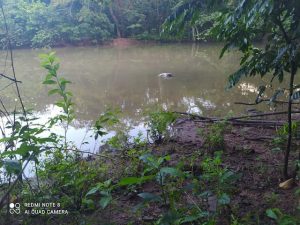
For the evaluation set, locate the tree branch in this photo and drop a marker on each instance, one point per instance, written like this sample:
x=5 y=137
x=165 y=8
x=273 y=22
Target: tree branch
x=9 y=78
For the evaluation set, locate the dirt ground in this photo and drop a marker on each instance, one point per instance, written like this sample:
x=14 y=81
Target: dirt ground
x=248 y=151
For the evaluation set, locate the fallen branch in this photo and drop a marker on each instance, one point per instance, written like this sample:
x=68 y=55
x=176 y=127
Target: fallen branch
x=248 y=122
x=262 y=114
x=259 y=138
x=258 y=121
x=195 y=116
x=212 y=119
x=265 y=100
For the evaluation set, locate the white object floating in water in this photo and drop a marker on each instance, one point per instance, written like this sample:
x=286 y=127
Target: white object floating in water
x=166 y=75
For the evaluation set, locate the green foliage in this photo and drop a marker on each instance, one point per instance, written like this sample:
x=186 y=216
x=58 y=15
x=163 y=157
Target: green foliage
x=104 y=189
x=105 y=120
x=194 y=19
x=63 y=175
x=38 y=24
x=239 y=29
x=281 y=218
x=214 y=137
x=31 y=24
x=70 y=181
x=12 y=167
x=176 y=184
x=50 y=63
x=24 y=142
x=158 y=123
x=140 y=19
x=153 y=170
x=239 y=26
x=217 y=178
x=282 y=135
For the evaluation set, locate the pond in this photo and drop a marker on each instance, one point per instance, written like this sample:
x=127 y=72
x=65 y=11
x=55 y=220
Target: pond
x=128 y=78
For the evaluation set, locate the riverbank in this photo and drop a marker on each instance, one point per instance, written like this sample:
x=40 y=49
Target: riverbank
x=250 y=152
x=115 y=42
x=225 y=173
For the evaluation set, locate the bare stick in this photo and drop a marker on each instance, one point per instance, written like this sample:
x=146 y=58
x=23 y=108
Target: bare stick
x=12 y=60
x=9 y=78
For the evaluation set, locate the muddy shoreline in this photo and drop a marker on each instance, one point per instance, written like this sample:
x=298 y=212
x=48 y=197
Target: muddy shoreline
x=247 y=151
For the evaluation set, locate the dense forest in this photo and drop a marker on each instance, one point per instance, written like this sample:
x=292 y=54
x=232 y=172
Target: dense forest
x=185 y=166
x=50 y=23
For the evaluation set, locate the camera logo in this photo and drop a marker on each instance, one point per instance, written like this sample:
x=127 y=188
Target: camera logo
x=15 y=208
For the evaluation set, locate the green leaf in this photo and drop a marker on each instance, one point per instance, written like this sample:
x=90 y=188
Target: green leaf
x=270 y=213
x=69 y=93
x=261 y=90
x=49 y=82
x=56 y=66
x=171 y=171
x=224 y=49
x=224 y=199
x=236 y=77
x=104 y=201
x=280 y=55
x=46 y=140
x=129 y=181
x=54 y=91
x=43 y=56
x=49 y=76
x=288 y=220
x=192 y=218
x=89 y=203
x=149 y=197
x=93 y=191
x=163 y=172
x=23 y=129
x=60 y=104
x=150 y=160
x=63 y=81
x=134 y=180
x=23 y=150
x=12 y=166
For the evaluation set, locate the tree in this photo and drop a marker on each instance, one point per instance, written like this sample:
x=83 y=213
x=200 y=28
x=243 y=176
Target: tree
x=137 y=17
x=239 y=25
x=37 y=24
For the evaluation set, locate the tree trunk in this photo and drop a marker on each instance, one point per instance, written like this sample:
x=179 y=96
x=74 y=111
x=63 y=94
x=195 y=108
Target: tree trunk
x=289 y=143
x=116 y=22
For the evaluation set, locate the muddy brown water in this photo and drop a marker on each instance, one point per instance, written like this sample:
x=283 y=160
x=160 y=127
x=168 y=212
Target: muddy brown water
x=128 y=78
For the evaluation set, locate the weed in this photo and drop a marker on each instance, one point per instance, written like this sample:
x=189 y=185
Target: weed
x=271 y=198
x=214 y=138
x=281 y=218
x=159 y=123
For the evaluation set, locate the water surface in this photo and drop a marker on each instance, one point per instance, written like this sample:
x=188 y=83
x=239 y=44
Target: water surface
x=128 y=78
